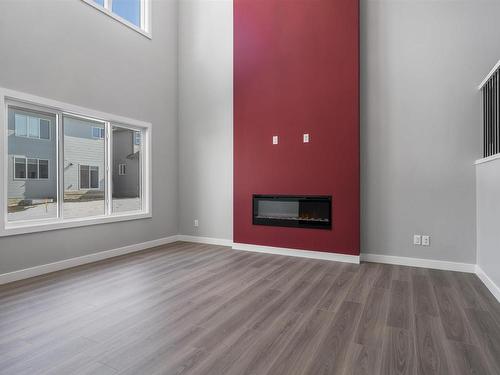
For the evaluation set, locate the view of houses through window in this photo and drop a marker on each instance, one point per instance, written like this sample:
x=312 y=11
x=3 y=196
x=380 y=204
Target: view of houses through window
x=91 y=165
x=126 y=170
x=32 y=147
x=84 y=166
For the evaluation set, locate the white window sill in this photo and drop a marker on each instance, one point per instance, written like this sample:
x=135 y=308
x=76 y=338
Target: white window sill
x=116 y=17
x=12 y=229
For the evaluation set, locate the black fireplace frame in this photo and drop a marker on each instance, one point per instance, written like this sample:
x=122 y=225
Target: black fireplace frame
x=292 y=223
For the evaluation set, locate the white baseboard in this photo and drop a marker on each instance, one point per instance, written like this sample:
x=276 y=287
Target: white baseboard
x=418 y=262
x=73 y=262
x=297 y=253
x=493 y=288
x=206 y=240
x=404 y=261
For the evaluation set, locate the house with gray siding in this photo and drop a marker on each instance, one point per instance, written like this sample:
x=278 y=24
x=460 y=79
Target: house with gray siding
x=32 y=172
x=32 y=158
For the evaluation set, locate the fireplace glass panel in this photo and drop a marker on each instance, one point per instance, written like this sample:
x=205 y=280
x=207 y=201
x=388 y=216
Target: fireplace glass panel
x=292 y=211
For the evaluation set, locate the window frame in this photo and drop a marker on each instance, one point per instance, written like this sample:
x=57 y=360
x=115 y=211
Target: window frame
x=145 y=16
x=90 y=178
x=19 y=100
x=102 y=132
x=14 y=178
x=39 y=138
x=122 y=169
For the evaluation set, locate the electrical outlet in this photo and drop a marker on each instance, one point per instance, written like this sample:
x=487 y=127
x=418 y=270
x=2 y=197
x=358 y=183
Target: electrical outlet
x=426 y=240
x=417 y=239
x=196 y=222
x=305 y=138
x=275 y=139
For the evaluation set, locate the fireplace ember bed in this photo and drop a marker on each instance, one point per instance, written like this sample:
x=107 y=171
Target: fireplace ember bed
x=297 y=211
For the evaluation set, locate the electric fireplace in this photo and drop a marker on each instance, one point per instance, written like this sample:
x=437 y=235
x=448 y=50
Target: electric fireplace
x=293 y=211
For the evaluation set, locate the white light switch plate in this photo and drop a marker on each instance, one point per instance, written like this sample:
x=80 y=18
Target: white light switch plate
x=275 y=139
x=306 y=138
x=196 y=223
x=426 y=240
x=417 y=239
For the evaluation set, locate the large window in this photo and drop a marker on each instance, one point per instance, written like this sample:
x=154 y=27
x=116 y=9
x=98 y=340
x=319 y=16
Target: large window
x=133 y=13
x=68 y=167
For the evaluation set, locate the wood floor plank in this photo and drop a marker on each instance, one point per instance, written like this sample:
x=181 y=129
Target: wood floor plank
x=423 y=296
x=431 y=347
x=456 y=326
x=399 y=305
x=468 y=360
x=332 y=353
x=398 y=353
x=199 y=309
x=488 y=333
x=363 y=360
x=373 y=319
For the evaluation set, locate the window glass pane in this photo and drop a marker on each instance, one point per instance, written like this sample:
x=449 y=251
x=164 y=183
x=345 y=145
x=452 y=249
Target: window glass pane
x=43 y=169
x=30 y=198
x=20 y=168
x=83 y=154
x=33 y=127
x=21 y=125
x=128 y=9
x=94 y=177
x=84 y=177
x=100 y=2
x=137 y=138
x=127 y=159
x=32 y=169
x=44 y=129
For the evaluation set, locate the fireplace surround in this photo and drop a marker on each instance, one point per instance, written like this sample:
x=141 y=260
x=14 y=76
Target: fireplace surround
x=298 y=211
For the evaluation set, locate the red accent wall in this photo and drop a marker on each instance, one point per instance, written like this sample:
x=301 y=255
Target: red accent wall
x=296 y=70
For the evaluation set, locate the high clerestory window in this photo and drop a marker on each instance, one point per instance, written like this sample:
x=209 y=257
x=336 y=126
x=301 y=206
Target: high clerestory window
x=133 y=13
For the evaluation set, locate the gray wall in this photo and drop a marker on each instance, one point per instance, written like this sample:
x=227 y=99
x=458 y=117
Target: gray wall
x=69 y=51
x=421 y=122
x=421 y=62
x=206 y=117
x=488 y=223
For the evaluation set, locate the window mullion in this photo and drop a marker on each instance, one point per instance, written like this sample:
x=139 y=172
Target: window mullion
x=108 y=181
x=108 y=4
x=60 y=164
x=143 y=15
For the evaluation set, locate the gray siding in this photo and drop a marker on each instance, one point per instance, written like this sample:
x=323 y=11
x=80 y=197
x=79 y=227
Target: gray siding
x=123 y=147
x=32 y=148
x=80 y=148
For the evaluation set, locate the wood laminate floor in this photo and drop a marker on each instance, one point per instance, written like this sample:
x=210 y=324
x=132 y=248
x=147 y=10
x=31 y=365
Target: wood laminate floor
x=201 y=309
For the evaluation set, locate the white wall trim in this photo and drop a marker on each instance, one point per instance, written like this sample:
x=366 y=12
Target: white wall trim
x=488 y=76
x=73 y=262
x=297 y=253
x=493 y=288
x=487 y=159
x=205 y=240
x=145 y=17
x=419 y=262
x=376 y=258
